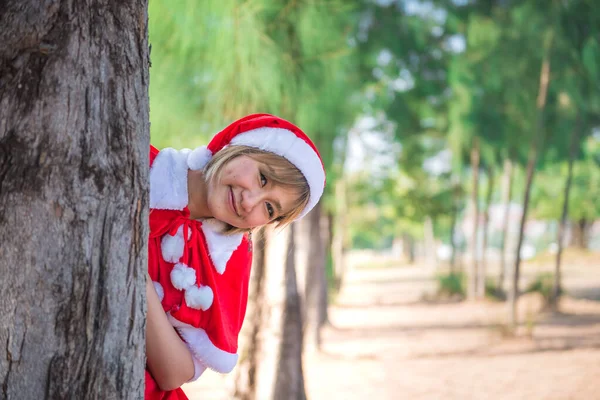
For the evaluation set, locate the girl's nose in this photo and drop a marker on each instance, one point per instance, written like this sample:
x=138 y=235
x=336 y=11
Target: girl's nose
x=249 y=199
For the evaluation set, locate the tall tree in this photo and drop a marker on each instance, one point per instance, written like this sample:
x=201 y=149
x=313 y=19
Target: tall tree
x=534 y=150
x=485 y=228
x=271 y=362
x=507 y=187
x=73 y=198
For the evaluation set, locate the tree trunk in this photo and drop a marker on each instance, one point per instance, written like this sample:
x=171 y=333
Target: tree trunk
x=315 y=281
x=486 y=223
x=408 y=248
x=338 y=240
x=270 y=365
x=430 y=249
x=531 y=161
x=557 y=287
x=507 y=198
x=579 y=233
x=472 y=280
x=74 y=137
x=453 y=238
x=249 y=340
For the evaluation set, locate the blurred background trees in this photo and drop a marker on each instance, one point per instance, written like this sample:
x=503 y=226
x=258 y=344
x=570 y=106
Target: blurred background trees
x=464 y=134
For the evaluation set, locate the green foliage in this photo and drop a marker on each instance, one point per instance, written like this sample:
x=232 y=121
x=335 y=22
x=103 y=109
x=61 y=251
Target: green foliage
x=493 y=292
x=548 y=194
x=543 y=284
x=215 y=61
x=324 y=64
x=452 y=284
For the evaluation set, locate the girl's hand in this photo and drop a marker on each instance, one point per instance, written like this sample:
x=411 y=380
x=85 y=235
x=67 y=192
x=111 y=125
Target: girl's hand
x=167 y=357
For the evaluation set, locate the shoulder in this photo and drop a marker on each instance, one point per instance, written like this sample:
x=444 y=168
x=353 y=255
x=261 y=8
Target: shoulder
x=153 y=153
x=168 y=178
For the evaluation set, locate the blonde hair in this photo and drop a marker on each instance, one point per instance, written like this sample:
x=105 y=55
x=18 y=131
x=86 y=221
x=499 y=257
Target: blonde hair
x=278 y=170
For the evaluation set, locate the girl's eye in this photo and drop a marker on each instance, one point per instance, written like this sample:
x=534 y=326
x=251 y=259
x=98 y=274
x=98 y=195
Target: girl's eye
x=270 y=210
x=263 y=179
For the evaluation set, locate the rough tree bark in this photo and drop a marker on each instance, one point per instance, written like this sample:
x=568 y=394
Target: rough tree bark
x=74 y=136
x=271 y=347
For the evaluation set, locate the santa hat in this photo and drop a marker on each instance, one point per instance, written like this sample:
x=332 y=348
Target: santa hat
x=273 y=134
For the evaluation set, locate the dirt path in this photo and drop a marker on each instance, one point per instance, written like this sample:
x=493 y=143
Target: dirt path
x=384 y=343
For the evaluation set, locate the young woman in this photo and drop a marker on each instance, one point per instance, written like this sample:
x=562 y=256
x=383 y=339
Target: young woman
x=259 y=170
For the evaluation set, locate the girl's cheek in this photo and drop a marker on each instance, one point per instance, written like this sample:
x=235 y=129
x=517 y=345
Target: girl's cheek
x=256 y=220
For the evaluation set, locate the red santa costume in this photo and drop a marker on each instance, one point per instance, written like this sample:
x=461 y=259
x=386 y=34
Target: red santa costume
x=200 y=274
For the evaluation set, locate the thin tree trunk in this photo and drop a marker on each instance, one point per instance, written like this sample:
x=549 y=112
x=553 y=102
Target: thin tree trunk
x=486 y=223
x=579 y=233
x=270 y=365
x=532 y=160
x=74 y=137
x=453 y=238
x=249 y=340
x=408 y=248
x=557 y=287
x=472 y=285
x=289 y=382
x=315 y=280
x=507 y=198
x=339 y=231
x=430 y=249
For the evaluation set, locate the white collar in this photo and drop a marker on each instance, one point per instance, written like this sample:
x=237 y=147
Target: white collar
x=168 y=191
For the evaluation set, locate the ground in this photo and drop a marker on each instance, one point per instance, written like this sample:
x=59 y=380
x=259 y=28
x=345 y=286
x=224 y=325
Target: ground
x=385 y=342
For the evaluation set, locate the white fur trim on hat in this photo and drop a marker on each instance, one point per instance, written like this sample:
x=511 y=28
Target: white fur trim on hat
x=285 y=143
x=203 y=349
x=198 y=158
x=200 y=298
x=159 y=290
x=220 y=246
x=168 y=180
x=182 y=276
x=171 y=247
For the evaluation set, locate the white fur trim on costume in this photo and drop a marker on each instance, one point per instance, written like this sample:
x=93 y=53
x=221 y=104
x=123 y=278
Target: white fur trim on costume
x=200 y=298
x=198 y=158
x=159 y=290
x=286 y=144
x=168 y=180
x=182 y=276
x=172 y=246
x=220 y=246
x=203 y=349
x=199 y=368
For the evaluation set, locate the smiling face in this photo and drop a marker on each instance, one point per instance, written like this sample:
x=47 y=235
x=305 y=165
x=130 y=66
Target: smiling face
x=245 y=198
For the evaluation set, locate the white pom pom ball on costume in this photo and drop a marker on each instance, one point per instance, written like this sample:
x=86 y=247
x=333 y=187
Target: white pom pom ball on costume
x=182 y=276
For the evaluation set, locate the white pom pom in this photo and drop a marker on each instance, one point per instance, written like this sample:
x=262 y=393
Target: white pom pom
x=171 y=247
x=200 y=298
x=183 y=276
x=159 y=290
x=198 y=158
